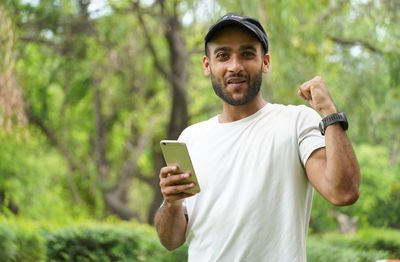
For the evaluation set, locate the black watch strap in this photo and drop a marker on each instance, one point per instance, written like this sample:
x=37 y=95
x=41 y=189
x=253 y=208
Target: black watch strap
x=332 y=119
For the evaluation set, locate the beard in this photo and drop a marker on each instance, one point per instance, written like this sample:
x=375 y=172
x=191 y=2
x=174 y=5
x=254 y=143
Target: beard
x=252 y=91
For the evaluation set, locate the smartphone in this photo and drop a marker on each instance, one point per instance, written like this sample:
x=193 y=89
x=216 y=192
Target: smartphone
x=175 y=152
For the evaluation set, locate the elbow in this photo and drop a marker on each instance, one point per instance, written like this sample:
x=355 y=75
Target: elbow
x=346 y=193
x=346 y=199
x=171 y=246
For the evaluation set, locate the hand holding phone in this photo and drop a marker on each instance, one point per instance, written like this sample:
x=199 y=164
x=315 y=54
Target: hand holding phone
x=176 y=153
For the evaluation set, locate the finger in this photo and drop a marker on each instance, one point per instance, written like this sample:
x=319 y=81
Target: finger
x=318 y=79
x=178 y=189
x=305 y=92
x=301 y=95
x=167 y=170
x=174 y=179
x=305 y=89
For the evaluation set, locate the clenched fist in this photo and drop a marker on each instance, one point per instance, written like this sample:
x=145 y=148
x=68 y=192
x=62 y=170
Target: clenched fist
x=317 y=95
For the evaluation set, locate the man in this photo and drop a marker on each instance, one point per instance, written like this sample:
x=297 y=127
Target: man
x=257 y=163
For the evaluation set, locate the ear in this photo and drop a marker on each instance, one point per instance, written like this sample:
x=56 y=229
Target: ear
x=265 y=67
x=206 y=66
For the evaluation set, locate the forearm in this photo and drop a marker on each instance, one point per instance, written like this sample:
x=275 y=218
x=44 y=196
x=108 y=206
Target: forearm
x=171 y=225
x=333 y=171
x=342 y=172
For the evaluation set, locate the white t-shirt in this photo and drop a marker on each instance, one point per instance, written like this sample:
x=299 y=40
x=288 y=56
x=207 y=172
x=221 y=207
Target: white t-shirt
x=255 y=198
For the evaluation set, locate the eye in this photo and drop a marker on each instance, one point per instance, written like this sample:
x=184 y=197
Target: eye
x=249 y=54
x=222 y=56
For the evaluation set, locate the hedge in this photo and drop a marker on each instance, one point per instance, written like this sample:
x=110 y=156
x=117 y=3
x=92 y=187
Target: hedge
x=366 y=245
x=21 y=242
x=122 y=241
x=108 y=243
x=130 y=241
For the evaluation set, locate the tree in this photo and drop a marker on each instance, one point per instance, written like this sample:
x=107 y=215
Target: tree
x=11 y=102
x=80 y=51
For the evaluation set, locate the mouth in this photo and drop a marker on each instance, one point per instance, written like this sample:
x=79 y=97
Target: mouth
x=236 y=81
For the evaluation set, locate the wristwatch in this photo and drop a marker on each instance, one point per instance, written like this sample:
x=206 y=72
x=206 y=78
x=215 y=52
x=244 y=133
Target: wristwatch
x=332 y=119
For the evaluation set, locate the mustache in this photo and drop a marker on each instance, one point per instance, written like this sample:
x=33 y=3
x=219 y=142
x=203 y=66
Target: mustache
x=227 y=77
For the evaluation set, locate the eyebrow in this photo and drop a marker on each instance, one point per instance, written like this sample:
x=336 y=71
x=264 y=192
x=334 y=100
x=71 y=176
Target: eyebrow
x=222 y=48
x=248 y=47
x=243 y=47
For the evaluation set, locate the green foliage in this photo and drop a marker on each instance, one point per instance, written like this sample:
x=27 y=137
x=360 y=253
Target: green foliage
x=379 y=202
x=379 y=188
x=64 y=56
x=367 y=245
x=91 y=244
x=108 y=242
x=37 y=188
x=23 y=240
x=325 y=251
x=20 y=242
x=379 y=239
x=321 y=219
x=386 y=209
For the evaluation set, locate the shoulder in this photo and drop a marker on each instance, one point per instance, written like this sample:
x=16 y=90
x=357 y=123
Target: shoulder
x=307 y=114
x=299 y=117
x=294 y=111
x=196 y=130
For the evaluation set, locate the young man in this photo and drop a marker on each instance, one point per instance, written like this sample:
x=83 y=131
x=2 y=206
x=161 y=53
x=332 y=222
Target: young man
x=257 y=162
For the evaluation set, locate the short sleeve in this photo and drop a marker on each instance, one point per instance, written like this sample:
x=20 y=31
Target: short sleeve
x=309 y=136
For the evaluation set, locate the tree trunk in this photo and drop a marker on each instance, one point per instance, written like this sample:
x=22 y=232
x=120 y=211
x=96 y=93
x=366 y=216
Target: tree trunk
x=179 y=117
x=346 y=224
x=158 y=163
x=7 y=201
x=178 y=78
x=100 y=139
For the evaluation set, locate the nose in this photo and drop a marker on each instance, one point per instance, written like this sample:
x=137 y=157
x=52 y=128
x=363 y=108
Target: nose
x=235 y=65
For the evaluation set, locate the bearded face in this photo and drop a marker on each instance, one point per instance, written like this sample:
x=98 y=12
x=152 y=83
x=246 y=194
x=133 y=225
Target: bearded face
x=253 y=87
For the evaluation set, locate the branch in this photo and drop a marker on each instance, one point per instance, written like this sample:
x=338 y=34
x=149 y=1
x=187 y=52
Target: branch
x=150 y=44
x=40 y=41
x=148 y=180
x=115 y=194
x=354 y=42
x=118 y=207
x=144 y=139
x=72 y=166
x=49 y=134
x=143 y=10
x=334 y=6
x=129 y=168
x=148 y=11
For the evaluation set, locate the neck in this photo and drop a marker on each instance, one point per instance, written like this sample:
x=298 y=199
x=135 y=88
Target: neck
x=232 y=113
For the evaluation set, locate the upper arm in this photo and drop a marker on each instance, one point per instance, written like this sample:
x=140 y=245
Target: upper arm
x=339 y=189
x=316 y=168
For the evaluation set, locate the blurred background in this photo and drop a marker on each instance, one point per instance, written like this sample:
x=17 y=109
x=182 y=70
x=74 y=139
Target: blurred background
x=89 y=88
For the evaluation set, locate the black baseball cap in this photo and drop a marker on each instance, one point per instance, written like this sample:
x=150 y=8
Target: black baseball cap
x=249 y=23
